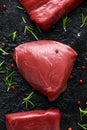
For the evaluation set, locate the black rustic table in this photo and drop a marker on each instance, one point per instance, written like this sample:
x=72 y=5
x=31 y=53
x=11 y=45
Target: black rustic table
x=75 y=36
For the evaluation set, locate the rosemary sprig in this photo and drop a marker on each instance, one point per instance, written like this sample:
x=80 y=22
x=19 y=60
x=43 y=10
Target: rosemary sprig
x=23 y=19
x=9 y=80
x=13 y=35
x=3 y=51
x=83 y=126
x=29 y=29
x=1 y=64
x=83 y=112
x=27 y=100
x=65 y=21
x=19 y=7
x=84 y=20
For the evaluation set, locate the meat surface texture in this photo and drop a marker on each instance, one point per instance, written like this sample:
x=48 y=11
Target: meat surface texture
x=34 y=120
x=46 y=65
x=45 y=13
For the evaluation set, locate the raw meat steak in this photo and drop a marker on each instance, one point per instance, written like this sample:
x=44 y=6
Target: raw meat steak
x=45 y=13
x=46 y=65
x=34 y=120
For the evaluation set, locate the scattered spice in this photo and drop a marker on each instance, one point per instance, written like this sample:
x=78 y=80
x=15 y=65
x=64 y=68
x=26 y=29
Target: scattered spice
x=13 y=35
x=65 y=21
x=4 y=6
x=27 y=100
x=29 y=29
x=3 y=43
x=80 y=81
x=12 y=65
x=3 y=51
x=9 y=80
x=13 y=88
x=83 y=67
x=78 y=102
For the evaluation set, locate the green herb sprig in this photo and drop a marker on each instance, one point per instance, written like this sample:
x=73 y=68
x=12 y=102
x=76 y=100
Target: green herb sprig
x=3 y=51
x=27 y=100
x=83 y=112
x=13 y=35
x=83 y=126
x=84 y=20
x=1 y=68
x=23 y=19
x=19 y=7
x=9 y=80
x=65 y=21
x=29 y=29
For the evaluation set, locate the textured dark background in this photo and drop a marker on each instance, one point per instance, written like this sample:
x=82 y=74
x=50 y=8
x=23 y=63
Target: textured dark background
x=10 y=21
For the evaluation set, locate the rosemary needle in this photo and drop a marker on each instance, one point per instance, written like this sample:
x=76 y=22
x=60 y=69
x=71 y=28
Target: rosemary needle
x=19 y=7
x=65 y=21
x=1 y=64
x=13 y=35
x=83 y=113
x=9 y=80
x=27 y=100
x=84 y=20
x=23 y=19
x=83 y=126
x=3 y=51
x=29 y=29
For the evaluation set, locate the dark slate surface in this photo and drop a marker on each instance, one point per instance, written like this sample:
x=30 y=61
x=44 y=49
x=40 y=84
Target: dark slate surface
x=10 y=21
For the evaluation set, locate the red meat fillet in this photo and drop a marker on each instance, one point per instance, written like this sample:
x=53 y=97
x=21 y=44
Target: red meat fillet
x=46 y=65
x=34 y=120
x=45 y=13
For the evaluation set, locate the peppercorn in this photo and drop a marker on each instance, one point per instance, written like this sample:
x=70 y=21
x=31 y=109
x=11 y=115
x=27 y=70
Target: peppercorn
x=3 y=43
x=80 y=81
x=78 y=102
x=13 y=88
x=4 y=6
x=12 y=65
x=83 y=67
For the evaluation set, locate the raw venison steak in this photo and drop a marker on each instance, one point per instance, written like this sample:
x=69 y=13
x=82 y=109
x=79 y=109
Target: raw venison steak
x=46 y=65
x=45 y=13
x=34 y=120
